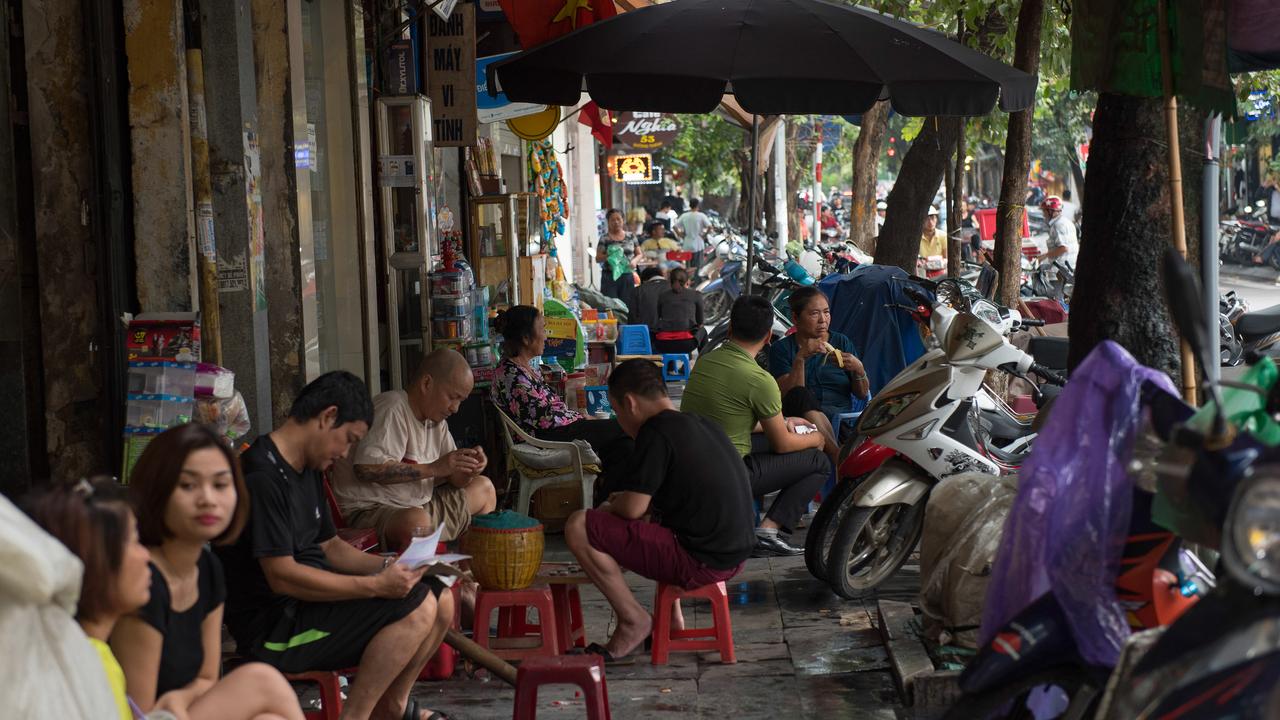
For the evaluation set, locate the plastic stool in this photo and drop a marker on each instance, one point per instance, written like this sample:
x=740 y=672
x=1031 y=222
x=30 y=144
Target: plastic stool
x=585 y=671
x=538 y=598
x=634 y=340
x=330 y=693
x=717 y=637
x=675 y=367
x=514 y=622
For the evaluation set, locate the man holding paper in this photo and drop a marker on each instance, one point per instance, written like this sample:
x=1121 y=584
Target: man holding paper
x=301 y=599
x=408 y=473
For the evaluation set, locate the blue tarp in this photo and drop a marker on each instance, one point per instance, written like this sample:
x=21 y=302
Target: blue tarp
x=887 y=339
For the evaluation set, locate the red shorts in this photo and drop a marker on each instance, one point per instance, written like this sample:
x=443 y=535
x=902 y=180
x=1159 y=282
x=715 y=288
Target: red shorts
x=648 y=549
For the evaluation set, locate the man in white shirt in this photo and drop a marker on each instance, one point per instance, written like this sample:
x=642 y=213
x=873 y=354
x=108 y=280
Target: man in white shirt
x=667 y=216
x=692 y=227
x=408 y=473
x=1062 y=243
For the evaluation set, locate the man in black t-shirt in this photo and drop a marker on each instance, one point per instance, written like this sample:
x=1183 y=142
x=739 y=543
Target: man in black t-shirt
x=301 y=599
x=686 y=475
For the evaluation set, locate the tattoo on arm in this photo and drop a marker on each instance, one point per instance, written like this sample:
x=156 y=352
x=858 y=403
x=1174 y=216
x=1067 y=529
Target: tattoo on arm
x=390 y=473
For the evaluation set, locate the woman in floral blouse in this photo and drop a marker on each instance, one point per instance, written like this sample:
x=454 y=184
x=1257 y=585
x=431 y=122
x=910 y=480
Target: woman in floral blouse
x=518 y=388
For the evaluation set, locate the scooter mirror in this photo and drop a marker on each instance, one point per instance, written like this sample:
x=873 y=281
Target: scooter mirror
x=1182 y=291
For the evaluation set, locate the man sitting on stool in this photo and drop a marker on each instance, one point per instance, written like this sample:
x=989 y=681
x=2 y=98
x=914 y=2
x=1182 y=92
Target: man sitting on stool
x=408 y=471
x=687 y=475
x=729 y=388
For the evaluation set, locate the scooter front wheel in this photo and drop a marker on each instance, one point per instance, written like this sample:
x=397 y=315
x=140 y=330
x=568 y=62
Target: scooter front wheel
x=717 y=304
x=822 y=531
x=871 y=544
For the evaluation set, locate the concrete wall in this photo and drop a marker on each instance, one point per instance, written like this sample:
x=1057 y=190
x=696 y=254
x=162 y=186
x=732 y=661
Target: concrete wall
x=161 y=142
x=231 y=102
x=279 y=203
x=62 y=176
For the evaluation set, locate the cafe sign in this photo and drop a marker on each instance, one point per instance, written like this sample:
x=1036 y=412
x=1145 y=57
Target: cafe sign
x=645 y=130
x=631 y=168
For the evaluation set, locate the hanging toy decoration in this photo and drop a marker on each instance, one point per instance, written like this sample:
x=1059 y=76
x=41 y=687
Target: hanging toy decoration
x=545 y=175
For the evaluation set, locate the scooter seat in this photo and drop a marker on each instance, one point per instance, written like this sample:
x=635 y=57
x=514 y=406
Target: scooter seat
x=1007 y=458
x=1050 y=352
x=1259 y=323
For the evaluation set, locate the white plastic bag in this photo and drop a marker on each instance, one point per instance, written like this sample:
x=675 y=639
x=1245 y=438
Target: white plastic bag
x=962 y=526
x=50 y=669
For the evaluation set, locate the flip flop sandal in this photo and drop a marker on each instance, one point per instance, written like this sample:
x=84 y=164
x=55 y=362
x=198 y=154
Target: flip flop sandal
x=413 y=712
x=609 y=659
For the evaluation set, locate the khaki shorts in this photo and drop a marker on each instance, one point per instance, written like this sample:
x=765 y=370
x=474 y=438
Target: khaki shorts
x=447 y=506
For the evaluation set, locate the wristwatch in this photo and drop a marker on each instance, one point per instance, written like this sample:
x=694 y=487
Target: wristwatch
x=387 y=560
x=859 y=378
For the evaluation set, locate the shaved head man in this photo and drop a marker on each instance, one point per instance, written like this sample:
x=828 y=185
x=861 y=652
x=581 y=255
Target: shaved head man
x=408 y=473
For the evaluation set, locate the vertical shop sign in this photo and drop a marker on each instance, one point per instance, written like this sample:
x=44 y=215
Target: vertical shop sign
x=451 y=74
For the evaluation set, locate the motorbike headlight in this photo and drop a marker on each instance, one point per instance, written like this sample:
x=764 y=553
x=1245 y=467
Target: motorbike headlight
x=1251 y=547
x=884 y=410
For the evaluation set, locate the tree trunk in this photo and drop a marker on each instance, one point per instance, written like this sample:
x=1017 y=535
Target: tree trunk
x=866 y=165
x=953 y=218
x=917 y=183
x=957 y=201
x=1017 y=160
x=798 y=165
x=1126 y=229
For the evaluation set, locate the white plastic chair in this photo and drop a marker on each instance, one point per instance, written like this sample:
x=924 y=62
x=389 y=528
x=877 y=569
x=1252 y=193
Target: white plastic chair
x=569 y=461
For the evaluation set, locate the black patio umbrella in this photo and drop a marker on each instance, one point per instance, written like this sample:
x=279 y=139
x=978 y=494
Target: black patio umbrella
x=774 y=56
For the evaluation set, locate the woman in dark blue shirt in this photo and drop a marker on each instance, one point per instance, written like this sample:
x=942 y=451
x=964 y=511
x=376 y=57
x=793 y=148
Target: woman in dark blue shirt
x=821 y=386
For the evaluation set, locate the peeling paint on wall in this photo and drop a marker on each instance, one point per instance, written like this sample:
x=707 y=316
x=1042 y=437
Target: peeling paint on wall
x=161 y=145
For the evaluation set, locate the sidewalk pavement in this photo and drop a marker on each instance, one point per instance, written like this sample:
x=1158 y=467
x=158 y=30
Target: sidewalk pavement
x=803 y=652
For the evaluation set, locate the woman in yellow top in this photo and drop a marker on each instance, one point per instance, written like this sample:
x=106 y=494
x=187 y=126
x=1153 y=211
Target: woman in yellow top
x=95 y=523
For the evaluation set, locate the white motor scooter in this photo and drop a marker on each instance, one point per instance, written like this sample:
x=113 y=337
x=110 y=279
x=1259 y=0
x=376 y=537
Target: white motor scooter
x=923 y=426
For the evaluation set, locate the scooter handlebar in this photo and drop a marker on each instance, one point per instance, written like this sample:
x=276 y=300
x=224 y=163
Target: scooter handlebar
x=1031 y=322
x=1049 y=376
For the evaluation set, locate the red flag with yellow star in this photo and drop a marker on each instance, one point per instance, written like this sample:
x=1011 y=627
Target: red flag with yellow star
x=537 y=21
x=600 y=121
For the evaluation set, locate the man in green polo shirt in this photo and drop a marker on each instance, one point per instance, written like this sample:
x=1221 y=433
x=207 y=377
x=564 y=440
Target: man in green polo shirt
x=729 y=388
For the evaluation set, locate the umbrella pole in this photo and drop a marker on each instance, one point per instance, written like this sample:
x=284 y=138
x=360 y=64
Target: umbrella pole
x=751 y=198
x=1175 y=181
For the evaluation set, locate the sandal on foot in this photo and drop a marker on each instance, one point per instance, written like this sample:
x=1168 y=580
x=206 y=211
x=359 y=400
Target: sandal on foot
x=609 y=659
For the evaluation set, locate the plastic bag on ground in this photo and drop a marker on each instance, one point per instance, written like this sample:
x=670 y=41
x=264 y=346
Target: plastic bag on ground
x=51 y=670
x=1065 y=532
x=962 y=526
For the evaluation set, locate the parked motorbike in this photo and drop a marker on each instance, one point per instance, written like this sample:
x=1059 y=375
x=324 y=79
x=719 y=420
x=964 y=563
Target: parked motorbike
x=1242 y=238
x=1250 y=332
x=771 y=282
x=1230 y=671
x=920 y=428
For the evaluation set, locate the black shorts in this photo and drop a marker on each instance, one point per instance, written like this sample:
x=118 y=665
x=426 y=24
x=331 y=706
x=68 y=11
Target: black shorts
x=798 y=401
x=306 y=636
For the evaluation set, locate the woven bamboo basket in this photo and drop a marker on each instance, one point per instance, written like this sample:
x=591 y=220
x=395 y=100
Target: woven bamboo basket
x=504 y=559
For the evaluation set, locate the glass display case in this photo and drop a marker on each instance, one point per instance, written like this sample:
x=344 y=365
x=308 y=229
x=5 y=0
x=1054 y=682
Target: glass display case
x=494 y=246
x=405 y=170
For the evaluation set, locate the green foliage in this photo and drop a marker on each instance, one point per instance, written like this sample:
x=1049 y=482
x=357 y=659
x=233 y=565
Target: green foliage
x=709 y=146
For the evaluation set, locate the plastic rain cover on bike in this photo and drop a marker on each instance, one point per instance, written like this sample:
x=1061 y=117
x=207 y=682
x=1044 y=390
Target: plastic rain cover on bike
x=51 y=670
x=886 y=339
x=1067 y=526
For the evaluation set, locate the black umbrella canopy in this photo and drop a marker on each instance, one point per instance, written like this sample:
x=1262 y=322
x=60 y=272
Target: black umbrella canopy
x=774 y=56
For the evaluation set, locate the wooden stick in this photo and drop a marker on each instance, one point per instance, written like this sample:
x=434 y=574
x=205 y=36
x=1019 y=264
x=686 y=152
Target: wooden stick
x=502 y=669
x=1175 y=181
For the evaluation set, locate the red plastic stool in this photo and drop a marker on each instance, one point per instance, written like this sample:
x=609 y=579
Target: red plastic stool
x=445 y=661
x=330 y=693
x=513 y=622
x=585 y=671
x=717 y=637
x=519 y=601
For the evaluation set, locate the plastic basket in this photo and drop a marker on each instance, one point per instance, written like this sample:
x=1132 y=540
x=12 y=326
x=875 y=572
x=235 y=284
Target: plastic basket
x=504 y=559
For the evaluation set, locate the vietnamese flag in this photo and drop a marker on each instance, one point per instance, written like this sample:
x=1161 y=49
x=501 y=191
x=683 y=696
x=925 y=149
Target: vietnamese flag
x=600 y=122
x=537 y=21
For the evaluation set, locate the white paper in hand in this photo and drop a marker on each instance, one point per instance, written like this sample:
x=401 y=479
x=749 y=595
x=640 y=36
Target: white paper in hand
x=422 y=553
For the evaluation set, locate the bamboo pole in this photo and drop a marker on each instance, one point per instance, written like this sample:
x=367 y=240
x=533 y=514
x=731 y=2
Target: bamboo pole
x=202 y=185
x=500 y=668
x=1175 y=181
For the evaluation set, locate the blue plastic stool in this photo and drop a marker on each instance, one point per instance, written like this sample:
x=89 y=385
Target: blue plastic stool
x=634 y=340
x=675 y=367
